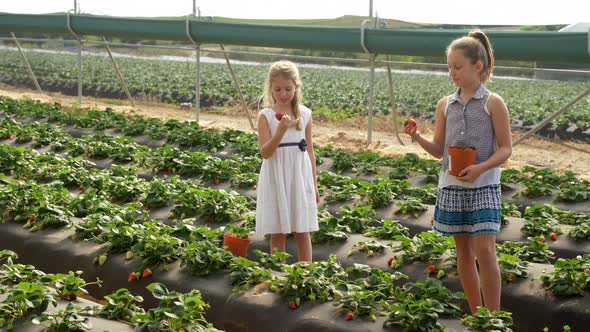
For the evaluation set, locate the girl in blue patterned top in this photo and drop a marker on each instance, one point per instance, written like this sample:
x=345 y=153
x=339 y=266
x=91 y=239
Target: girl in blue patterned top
x=468 y=206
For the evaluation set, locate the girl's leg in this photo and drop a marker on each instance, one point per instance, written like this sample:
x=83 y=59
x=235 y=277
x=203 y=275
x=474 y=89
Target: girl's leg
x=468 y=271
x=489 y=271
x=277 y=241
x=303 y=247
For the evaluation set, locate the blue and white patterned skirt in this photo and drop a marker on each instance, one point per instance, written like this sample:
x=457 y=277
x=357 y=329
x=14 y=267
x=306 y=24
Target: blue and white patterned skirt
x=468 y=211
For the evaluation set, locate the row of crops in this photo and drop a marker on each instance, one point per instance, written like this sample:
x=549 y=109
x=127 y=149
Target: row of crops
x=332 y=92
x=138 y=202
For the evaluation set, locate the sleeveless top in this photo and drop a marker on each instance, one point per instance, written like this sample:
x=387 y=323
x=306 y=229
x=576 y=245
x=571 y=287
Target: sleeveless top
x=470 y=125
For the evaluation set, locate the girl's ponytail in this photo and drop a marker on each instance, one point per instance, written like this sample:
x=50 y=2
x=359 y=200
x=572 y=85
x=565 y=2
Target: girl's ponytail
x=489 y=66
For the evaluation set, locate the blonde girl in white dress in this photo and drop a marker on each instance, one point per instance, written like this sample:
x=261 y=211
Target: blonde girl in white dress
x=287 y=191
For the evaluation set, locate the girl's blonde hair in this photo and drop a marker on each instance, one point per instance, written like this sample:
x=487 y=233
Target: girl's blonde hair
x=477 y=47
x=285 y=70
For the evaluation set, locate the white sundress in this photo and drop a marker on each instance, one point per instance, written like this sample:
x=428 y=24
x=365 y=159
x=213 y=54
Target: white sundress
x=285 y=192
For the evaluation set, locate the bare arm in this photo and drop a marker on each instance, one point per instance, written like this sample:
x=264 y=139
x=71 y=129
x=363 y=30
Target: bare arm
x=309 y=141
x=437 y=145
x=268 y=143
x=501 y=122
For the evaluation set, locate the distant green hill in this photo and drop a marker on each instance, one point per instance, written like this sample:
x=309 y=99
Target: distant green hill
x=342 y=21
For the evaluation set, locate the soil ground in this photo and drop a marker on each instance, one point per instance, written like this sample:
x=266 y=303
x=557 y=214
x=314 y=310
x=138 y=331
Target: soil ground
x=348 y=134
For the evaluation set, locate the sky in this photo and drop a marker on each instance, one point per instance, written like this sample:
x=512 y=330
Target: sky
x=491 y=12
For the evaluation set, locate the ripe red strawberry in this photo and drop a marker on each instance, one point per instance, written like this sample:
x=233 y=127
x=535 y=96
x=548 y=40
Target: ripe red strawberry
x=292 y=305
x=146 y=273
x=216 y=182
x=279 y=116
x=371 y=253
x=410 y=122
x=390 y=261
x=132 y=277
x=349 y=316
x=32 y=218
x=553 y=236
x=430 y=269
x=170 y=170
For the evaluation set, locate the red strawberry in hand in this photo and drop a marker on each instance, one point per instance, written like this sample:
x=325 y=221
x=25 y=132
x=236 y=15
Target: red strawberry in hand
x=279 y=116
x=349 y=316
x=146 y=273
x=410 y=122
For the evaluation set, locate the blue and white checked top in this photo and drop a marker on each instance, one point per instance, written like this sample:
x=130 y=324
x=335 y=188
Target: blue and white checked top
x=470 y=125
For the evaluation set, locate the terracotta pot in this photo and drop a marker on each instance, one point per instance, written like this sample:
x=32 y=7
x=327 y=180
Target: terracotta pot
x=460 y=157
x=236 y=245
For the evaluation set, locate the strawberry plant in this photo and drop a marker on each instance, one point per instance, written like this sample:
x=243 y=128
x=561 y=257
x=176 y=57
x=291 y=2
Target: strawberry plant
x=388 y=230
x=330 y=229
x=581 y=232
x=574 y=192
x=371 y=247
x=570 y=277
x=244 y=273
x=69 y=286
x=411 y=206
x=25 y=300
x=384 y=191
x=156 y=246
x=427 y=194
x=532 y=251
x=337 y=188
x=159 y=193
x=416 y=316
x=275 y=261
x=175 y=312
x=121 y=305
x=485 y=320
x=540 y=226
x=512 y=267
x=204 y=257
x=509 y=210
x=358 y=218
x=424 y=247
x=359 y=302
x=73 y=318
x=309 y=280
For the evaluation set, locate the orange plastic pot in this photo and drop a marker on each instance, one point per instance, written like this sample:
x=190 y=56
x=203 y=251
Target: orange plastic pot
x=236 y=245
x=460 y=157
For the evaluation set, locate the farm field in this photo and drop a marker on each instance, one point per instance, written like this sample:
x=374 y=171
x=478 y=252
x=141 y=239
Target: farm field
x=124 y=193
x=332 y=93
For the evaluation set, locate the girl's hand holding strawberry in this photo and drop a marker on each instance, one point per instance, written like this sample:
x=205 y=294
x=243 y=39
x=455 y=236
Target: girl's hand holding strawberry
x=286 y=122
x=411 y=128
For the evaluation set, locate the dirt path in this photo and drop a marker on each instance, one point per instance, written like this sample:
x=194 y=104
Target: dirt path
x=349 y=135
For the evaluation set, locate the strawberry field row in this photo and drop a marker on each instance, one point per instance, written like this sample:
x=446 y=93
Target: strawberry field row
x=354 y=218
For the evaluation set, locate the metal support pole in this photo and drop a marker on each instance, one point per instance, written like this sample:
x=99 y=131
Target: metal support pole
x=371 y=98
x=198 y=82
x=24 y=57
x=543 y=123
x=198 y=69
x=393 y=110
x=121 y=79
x=69 y=21
x=237 y=84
